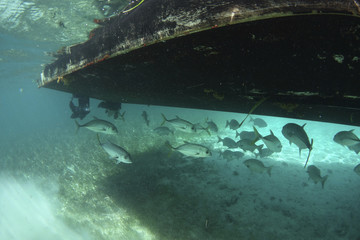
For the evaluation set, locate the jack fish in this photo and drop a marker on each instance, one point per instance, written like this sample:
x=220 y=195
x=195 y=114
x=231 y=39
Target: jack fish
x=314 y=174
x=271 y=141
x=191 y=150
x=257 y=166
x=99 y=126
x=115 y=152
x=346 y=138
x=180 y=124
x=296 y=134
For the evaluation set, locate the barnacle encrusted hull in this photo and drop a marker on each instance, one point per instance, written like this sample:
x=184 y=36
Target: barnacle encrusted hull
x=223 y=55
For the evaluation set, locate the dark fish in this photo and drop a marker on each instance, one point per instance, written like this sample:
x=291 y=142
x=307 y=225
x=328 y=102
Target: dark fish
x=233 y=124
x=228 y=142
x=246 y=135
x=248 y=145
x=231 y=155
x=357 y=169
x=271 y=141
x=346 y=138
x=145 y=116
x=355 y=148
x=199 y=128
x=162 y=131
x=258 y=122
x=212 y=126
x=314 y=174
x=296 y=134
x=264 y=152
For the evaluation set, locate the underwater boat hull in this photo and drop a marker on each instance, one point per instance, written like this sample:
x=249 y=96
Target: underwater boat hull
x=223 y=55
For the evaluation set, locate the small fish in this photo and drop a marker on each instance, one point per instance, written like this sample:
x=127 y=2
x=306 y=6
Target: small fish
x=228 y=142
x=258 y=122
x=162 y=131
x=346 y=138
x=248 y=145
x=180 y=124
x=191 y=150
x=233 y=124
x=357 y=169
x=246 y=135
x=111 y=108
x=264 y=152
x=231 y=155
x=257 y=166
x=145 y=116
x=314 y=174
x=115 y=152
x=212 y=126
x=355 y=148
x=98 y=126
x=296 y=134
x=271 y=141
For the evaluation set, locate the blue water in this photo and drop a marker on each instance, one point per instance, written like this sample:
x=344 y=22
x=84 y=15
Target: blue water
x=56 y=184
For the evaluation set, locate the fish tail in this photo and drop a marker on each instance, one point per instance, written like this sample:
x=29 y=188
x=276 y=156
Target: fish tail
x=237 y=134
x=268 y=170
x=207 y=130
x=167 y=143
x=227 y=124
x=219 y=139
x=77 y=126
x=164 y=119
x=122 y=116
x=323 y=180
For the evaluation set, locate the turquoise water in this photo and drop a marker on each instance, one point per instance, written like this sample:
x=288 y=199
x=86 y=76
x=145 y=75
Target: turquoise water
x=59 y=184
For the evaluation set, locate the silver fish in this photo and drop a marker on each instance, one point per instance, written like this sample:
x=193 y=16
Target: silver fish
x=257 y=166
x=258 y=122
x=271 y=141
x=233 y=124
x=314 y=174
x=357 y=169
x=296 y=134
x=228 y=142
x=346 y=138
x=162 y=131
x=99 y=126
x=191 y=150
x=180 y=124
x=116 y=152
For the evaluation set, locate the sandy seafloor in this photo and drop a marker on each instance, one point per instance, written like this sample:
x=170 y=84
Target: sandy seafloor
x=62 y=185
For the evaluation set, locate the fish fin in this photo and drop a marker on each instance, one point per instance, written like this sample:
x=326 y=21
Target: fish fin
x=219 y=139
x=323 y=180
x=257 y=134
x=95 y=118
x=260 y=147
x=351 y=130
x=271 y=132
x=268 y=170
x=237 y=134
x=77 y=126
x=299 y=152
x=307 y=159
x=98 y=138
x=251 y=119
x=227 y=123
x=164 y=119
x=303 y=125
